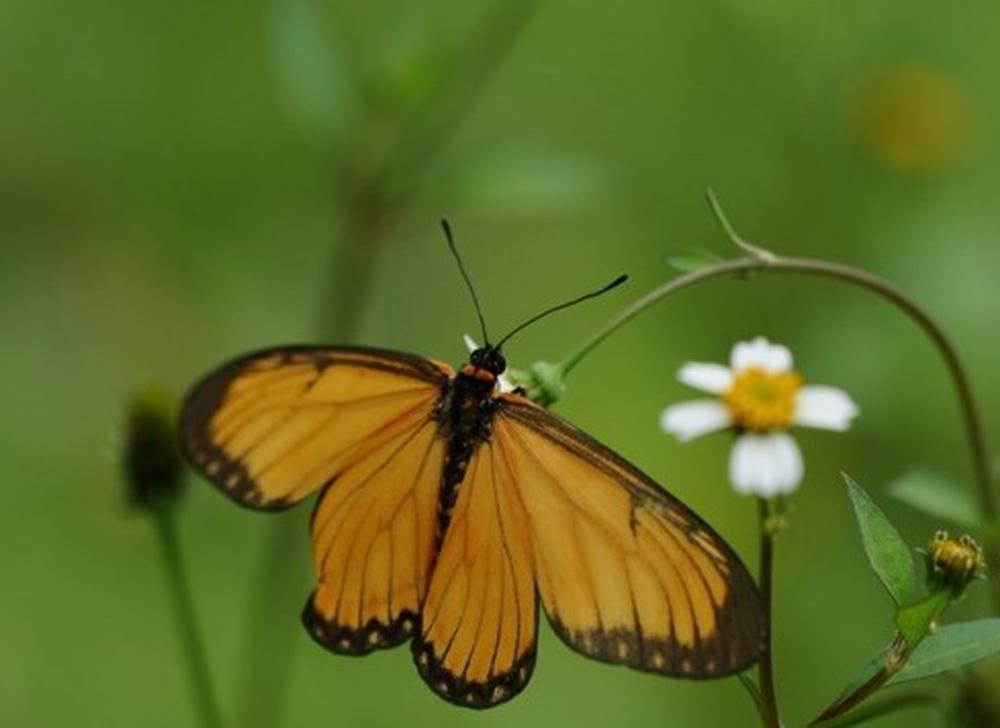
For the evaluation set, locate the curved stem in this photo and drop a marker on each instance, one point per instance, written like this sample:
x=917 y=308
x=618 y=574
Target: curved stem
x=179 y=589
x=767 y=262
x=769 y=700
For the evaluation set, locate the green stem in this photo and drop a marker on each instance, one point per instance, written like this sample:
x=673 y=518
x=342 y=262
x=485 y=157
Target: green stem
x=889 y=705
x=873 y=685
x=753 y=691
x=179 y=589
x=913 y=625
x=895 y=659
x=765 y=668
x=766 y=262
x=281 y=580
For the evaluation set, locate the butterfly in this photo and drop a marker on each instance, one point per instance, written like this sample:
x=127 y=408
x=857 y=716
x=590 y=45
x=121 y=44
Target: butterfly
x=448 y=509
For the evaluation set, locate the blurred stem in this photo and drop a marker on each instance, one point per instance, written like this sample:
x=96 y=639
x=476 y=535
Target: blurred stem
x=179 y=589
x=467 y=74
x=759 y=260
x=765 y=668
x=280 y=582
x=375 y=197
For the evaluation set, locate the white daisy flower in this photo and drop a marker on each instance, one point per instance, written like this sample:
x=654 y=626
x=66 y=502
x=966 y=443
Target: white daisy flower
x=503 y=382
x=761 y=397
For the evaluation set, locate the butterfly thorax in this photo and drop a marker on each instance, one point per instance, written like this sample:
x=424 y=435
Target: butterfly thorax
x=465 y=414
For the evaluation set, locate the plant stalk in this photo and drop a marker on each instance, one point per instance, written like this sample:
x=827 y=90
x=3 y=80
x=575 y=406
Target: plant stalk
x=179 y=590
x=765 y=668
x=375 y=198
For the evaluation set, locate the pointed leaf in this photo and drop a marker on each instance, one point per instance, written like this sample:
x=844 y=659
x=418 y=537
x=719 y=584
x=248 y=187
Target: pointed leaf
x=937 y=495
x=888 y=554
x=951 y=647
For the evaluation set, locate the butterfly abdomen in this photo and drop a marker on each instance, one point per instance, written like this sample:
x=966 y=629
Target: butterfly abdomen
x=465 y=413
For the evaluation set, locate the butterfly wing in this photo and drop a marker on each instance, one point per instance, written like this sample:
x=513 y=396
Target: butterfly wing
x=476 y=646
x=627 y=574
x=274 y=426
x=373 y=533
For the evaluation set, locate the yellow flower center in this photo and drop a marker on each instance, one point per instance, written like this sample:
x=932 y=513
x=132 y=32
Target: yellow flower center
x=761 y=401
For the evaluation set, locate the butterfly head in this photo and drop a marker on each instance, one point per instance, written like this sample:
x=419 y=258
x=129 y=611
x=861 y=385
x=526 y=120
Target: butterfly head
x=489 y=358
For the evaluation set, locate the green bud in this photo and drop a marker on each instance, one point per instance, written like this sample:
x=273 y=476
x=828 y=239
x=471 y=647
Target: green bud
x=543 y=382
x=151 y=458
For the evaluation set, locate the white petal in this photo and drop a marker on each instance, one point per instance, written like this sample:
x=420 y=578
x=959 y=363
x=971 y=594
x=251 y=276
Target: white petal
x=827 y=408
x=765 y=465
x=762 y=354
x=689 y=420
x=470 y=343
x=711 y=378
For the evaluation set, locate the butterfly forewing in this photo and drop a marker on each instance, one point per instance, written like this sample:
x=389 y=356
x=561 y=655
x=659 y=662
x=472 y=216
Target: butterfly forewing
x=273 y=427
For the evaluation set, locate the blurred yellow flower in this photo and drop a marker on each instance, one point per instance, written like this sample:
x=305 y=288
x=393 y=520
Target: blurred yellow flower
x=912 y=118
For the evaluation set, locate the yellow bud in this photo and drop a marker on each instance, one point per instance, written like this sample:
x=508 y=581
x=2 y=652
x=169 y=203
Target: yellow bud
x=952 y=561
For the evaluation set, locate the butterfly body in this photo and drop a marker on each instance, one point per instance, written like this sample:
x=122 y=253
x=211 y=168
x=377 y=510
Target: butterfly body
x=465 y=413
x=449 y=512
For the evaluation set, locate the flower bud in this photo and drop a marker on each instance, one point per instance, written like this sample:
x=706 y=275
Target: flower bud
x=953 y=562
x=151 y=458
x=542 y=383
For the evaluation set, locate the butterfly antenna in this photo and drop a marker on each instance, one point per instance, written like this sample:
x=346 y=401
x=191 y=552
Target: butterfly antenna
x=468 y=281
x=593 y=294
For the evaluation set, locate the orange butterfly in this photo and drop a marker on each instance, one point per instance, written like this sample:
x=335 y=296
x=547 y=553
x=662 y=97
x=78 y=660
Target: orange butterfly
x=447 y=508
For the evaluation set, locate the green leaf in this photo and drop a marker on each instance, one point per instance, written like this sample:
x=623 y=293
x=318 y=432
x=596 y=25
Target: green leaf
x=692 y=260
x=937 y=495
x=888 y=554
x=528 y=180
x=319 y=96
x=951 y=647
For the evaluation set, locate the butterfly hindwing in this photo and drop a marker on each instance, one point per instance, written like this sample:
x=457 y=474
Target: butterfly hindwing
x=478 y=633
x=273 y=427
x=627 y=574
x=373 y=532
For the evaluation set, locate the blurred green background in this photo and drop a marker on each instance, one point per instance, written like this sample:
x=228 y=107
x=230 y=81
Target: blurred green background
x=179 y=182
